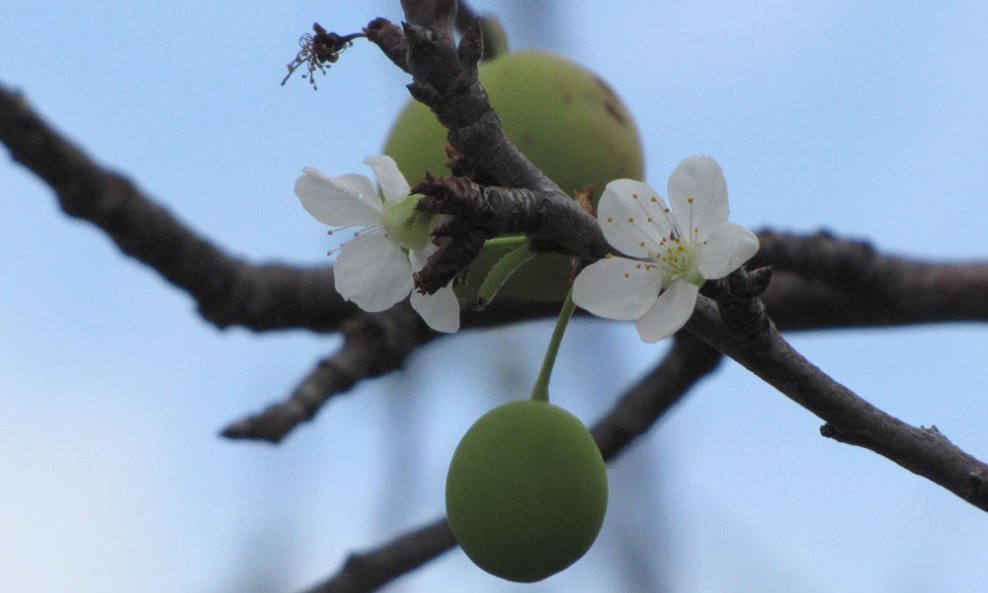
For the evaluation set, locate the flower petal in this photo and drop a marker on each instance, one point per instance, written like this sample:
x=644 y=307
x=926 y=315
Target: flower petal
x=393 y=183
x=670 y=313
x=344 y=201
x=617 y=288
x=728 y=246
x=440 y=311
x=633 y=217
x=700 y=179
x=373 y=272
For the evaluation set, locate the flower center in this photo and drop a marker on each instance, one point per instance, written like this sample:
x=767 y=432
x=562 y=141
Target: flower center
x=406 y=225
x=678 y=258
x=677 y=255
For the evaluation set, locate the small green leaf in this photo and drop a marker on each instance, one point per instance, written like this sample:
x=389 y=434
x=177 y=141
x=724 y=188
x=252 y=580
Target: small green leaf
x=500 y=272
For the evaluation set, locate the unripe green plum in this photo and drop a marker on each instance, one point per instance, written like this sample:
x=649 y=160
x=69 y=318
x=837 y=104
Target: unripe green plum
x=526 y=491
x=564 y=118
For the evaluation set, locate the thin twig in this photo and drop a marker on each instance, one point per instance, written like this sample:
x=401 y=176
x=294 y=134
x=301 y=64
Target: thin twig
x=374 y=344
x=850 y=419
x=688 y=361
x=367 y=571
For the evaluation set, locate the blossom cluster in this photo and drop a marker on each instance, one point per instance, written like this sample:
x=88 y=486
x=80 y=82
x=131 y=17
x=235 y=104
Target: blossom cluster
x=663 y=254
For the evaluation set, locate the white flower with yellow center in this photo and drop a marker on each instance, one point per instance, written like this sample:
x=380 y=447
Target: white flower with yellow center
x=375 y=268
x=667 y=253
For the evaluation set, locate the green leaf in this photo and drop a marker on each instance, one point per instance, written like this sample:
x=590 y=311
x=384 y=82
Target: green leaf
x=500 y=272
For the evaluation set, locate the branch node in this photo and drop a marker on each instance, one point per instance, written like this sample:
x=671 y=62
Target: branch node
x=390 y=38
x=740 y=308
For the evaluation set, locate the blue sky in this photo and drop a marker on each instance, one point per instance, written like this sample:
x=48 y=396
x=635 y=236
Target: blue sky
x=864 y=118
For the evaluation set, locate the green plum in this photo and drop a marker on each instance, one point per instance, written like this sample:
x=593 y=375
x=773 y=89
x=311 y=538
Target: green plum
x=526 y=491
x=564 y=118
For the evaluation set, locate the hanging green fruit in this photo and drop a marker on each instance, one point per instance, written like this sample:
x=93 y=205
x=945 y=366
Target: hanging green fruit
x=526 y=491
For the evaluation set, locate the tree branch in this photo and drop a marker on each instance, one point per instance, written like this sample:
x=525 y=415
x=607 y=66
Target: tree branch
x=374 y=344
x=844 y=283
x=228 y=291
x=821 y=281
x=751 y=339
x=445 y=79
x=688 y=361
x=925 y=293
x=375 y=568
x=478 y=213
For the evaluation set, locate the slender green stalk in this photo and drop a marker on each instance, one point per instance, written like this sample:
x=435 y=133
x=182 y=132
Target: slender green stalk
x=509 y=241
x=540 y=391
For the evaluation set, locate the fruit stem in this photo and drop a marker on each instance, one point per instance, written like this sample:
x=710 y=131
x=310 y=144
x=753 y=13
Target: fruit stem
x=540 y=391
x=511 y=241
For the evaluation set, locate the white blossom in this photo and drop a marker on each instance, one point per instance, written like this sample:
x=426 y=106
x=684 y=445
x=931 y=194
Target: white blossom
x=375 y=268
x=667 y=253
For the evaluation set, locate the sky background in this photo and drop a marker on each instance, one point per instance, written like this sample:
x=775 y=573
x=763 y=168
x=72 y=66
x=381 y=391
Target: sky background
x=867 y=119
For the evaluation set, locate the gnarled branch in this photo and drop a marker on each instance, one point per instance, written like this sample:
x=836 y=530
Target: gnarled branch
x=445 y=79
x=227 y=290
x=753 y=341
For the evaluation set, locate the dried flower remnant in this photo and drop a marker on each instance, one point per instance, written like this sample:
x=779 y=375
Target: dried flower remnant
x=318 y=50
